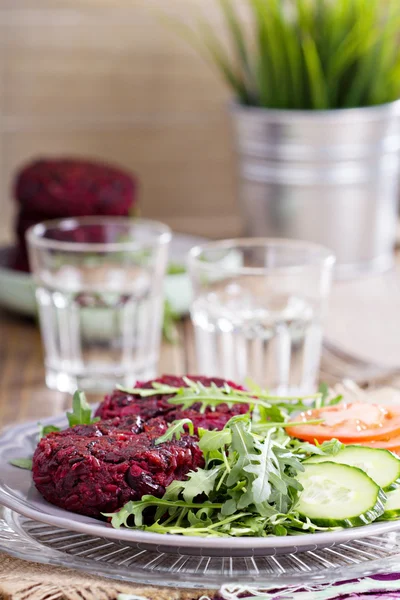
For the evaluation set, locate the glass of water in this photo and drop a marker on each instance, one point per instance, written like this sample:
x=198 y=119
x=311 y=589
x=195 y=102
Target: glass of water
x=99 y=291
x=258 y=311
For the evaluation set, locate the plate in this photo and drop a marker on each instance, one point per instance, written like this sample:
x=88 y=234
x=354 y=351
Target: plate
x=17 y=289
x=29 y=540
x=18 y=493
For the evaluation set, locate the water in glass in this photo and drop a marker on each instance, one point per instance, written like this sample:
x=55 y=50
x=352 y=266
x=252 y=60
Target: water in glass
x=99 y=290
x=278 y=343
x=95 y=336
x=258 y=309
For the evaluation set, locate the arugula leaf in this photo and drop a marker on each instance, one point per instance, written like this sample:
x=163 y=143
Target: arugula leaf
x=335 y=400
x=242 y=439
x=136 y=509
x=21 y=463
x=324 y=391
x=265 y=468
x=198 y=482
x=212 y=396
x=81 y=411
x=229 y=507
x=331 y=447
x=46 y=429
x=158 y=389
x=249 y=483
x=176 y=429
x=324 y=399
x=269 y=414
x=215 y=440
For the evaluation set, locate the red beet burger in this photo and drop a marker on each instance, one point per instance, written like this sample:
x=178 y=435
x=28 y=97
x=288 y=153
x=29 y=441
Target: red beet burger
x=62 y=188
x=122 y=403
x=92 y=469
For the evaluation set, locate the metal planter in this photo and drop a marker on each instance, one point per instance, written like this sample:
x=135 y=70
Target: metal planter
x=329 y=177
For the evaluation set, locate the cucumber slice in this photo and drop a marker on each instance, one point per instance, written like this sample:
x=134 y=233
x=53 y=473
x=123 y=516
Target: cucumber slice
x=336 y=495
x=381 y=465
x=392 y=506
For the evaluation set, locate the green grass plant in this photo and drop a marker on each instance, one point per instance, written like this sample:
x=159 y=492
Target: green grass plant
x=307 y=54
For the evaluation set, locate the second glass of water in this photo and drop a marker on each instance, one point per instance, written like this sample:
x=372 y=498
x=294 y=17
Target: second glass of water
x=99 y=291
x=258 y=311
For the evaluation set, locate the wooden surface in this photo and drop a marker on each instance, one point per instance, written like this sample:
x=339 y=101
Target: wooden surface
x=23 y=393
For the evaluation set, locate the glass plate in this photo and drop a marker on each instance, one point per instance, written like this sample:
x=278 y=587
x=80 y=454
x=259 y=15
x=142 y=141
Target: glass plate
x=38 y=542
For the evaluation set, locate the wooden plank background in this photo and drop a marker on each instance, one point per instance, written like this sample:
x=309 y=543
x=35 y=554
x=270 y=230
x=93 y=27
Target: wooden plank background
x=107 y=79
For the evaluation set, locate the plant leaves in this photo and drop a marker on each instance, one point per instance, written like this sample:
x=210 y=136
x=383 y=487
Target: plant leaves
x=176 y=430
x=200 y=482
x=46 y=429
x=249 y=485
x=21 y=463
x=229 y=507
x=264 y=467
x=81 y=411
x=215 y=440
x=307 y=54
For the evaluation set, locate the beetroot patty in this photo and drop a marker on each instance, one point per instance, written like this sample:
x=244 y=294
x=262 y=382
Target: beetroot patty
x=120 y=403
x=69 y=187
x=91 y=469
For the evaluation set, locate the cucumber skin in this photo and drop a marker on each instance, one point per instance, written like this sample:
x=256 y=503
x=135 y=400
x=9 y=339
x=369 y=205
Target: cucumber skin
x=390 y=515
x=392 y=486
x=371 y=515
x=395 y=484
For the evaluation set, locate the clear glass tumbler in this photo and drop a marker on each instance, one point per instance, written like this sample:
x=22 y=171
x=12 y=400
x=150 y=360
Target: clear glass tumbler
x=99 y=290
x=258 y=311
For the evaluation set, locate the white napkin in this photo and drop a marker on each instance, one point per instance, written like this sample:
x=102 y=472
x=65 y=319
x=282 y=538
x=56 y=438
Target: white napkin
x=364 y=318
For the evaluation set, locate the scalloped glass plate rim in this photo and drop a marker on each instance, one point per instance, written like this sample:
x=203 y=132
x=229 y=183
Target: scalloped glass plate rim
x=18 y=494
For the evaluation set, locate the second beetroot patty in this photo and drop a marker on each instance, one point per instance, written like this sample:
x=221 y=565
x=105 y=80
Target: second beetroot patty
x=92 y=469
x=120 y=404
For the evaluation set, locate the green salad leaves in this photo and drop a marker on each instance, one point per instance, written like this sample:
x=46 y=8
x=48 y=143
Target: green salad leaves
x=212 y=396
x=248 y=486
x=81 y=411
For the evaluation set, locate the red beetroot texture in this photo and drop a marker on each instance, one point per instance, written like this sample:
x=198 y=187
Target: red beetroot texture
x=91 y=469
x=62 y=188
x=120 y=404
x=72 y=188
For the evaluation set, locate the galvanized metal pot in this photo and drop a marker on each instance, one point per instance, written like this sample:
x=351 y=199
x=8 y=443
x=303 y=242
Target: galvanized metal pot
x=329 y=177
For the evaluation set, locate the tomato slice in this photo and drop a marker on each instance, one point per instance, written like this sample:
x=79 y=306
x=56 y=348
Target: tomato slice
x=390 y=443
x=349 y=423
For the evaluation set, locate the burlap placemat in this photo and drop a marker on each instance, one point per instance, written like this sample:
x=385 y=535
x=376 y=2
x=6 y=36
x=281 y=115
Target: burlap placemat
x=21 y=580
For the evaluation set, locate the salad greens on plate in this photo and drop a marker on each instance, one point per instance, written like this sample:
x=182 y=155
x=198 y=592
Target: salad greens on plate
x=257 y=480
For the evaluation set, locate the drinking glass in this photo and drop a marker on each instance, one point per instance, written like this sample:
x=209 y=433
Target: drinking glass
x=258 y=311
x=99 y=291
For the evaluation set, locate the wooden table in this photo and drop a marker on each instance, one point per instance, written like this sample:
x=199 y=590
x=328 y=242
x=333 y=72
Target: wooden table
x=23 y=392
